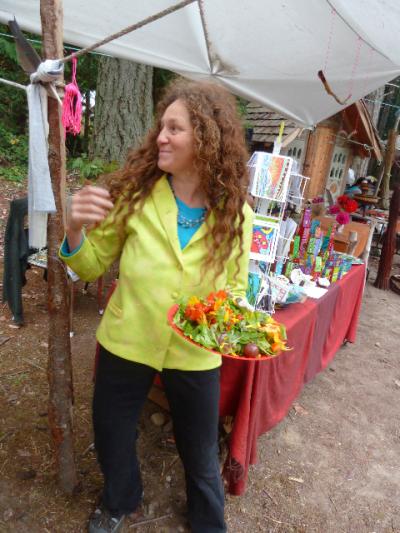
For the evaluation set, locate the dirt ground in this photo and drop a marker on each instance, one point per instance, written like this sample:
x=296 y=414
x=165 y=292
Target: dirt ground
x=332 y=465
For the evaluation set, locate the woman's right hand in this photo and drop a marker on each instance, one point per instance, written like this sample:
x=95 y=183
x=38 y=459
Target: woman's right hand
x=90 y=205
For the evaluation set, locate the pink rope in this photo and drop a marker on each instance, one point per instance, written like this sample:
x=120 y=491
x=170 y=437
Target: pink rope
x=72 y=105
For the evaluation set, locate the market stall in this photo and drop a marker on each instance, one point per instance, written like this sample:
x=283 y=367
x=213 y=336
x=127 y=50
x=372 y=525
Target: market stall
x=259 y=394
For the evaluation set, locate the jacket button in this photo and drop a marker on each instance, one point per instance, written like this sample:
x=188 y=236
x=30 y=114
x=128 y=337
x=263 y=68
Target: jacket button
x=174 y=295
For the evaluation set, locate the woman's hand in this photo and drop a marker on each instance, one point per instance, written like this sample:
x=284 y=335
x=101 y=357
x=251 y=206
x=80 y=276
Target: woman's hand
x=90 y=205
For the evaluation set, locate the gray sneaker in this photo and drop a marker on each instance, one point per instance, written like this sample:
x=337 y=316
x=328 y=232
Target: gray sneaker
x=101 y=521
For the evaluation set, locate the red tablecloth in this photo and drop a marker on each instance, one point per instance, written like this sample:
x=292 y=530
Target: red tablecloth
x=259 y=394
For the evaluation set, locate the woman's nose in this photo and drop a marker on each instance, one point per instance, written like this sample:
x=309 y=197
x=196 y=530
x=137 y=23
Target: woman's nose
x=162 y=137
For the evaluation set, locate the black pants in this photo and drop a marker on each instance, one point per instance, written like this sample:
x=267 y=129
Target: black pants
x=121 y=389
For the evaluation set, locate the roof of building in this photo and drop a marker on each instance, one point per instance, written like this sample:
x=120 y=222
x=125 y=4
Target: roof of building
x=265 y=123
x=356 y=122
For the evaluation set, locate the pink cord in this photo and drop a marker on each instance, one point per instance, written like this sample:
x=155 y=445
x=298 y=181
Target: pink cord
x=72 y=105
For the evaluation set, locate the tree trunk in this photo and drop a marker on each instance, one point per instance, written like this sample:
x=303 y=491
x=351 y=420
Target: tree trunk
x=124 y=108
x=389 y=243
x=59 y=362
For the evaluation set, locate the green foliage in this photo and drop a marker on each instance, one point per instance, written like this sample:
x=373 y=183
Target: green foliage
x=13 y=155
x=91 y=168
x=14 y=173
x=7 y=48
x=161 y=78
x=241 y=104
x=13 y=105
x=14 y=113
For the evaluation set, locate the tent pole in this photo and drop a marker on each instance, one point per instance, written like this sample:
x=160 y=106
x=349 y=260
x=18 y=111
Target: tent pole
x=389 y=244
x=59 y=358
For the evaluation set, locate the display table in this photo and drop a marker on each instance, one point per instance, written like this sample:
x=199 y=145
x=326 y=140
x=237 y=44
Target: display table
x=259 y=394
x=342 y=240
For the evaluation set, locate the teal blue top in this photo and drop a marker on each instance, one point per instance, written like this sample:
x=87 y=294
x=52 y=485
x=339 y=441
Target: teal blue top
x=191 y=213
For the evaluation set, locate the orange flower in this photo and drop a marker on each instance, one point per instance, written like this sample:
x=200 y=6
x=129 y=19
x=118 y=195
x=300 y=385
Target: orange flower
x=220 y=295
x=195 y=312
x=223 y=295
x=276 y=347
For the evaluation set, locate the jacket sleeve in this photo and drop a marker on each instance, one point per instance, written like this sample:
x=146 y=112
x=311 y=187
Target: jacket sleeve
x=98 y=250
x=238 y=283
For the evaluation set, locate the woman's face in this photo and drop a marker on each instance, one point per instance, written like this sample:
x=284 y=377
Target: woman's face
x=176 y=141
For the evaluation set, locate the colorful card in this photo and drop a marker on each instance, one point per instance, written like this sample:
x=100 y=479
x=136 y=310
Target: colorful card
x=264 y=240
x=253 y=287
x=269 y=175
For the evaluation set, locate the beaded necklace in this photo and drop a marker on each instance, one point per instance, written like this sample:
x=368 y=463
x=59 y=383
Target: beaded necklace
x=183 y=221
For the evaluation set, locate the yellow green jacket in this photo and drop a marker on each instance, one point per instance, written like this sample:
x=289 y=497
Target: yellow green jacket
x=154 y=274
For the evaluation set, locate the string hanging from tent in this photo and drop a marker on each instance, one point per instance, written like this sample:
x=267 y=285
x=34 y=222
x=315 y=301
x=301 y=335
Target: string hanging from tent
x=321 y=74
x=355 y=65
x=72 y=105
x=365 y=80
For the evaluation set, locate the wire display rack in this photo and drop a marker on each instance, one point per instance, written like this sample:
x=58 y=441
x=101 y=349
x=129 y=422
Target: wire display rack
x=274 y=188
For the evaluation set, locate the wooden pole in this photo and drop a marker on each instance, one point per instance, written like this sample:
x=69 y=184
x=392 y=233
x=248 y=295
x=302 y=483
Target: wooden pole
x=59 y=361
x=388 y=162
x=389 y=243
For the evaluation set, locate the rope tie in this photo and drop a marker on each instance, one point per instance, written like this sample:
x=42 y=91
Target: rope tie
x=72 y=105
x=48 y=71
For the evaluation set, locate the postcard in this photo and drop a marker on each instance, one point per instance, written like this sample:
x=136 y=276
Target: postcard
x=264 y=239
x=269 y=175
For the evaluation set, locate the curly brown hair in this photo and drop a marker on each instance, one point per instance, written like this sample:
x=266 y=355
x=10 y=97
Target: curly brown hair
x=220 y=159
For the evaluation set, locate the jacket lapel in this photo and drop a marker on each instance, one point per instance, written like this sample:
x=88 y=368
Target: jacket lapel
x=167 y=211
x=201 y=232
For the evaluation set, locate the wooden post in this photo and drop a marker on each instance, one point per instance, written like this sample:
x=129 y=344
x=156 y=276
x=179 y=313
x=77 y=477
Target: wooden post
x=59 y=362
x=388 y=162
x=389 y=243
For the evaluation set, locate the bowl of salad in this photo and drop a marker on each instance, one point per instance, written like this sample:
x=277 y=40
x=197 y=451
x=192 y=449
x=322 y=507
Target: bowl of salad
x=220 y=324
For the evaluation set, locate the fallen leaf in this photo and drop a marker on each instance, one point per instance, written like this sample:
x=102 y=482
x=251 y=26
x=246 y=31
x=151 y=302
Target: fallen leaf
x=14 y=326
x=299 y=409
x=4 y=339
x=296 y=479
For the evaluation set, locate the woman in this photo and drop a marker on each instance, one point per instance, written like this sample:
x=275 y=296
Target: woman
x=178 y=220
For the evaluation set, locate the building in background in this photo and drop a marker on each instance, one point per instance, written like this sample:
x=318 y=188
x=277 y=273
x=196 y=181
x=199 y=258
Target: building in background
x=325 y=153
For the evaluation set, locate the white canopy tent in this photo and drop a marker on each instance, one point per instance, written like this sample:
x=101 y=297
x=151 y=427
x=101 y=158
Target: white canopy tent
x=268 y=51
